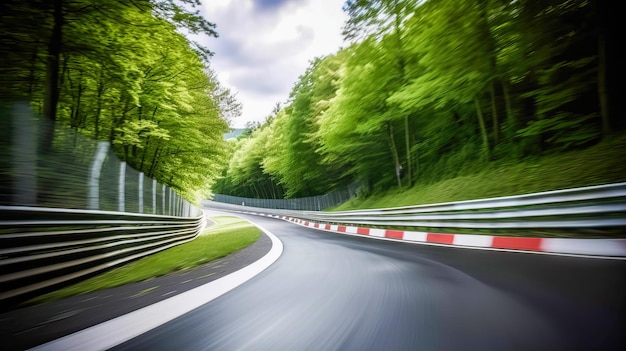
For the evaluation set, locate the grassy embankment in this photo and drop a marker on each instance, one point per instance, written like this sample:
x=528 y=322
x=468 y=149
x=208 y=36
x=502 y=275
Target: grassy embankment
x=230 y=234
x=603 y=163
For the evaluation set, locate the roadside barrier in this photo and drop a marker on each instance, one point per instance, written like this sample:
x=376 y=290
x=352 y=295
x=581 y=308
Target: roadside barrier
x=590 y=208
x=45 y=248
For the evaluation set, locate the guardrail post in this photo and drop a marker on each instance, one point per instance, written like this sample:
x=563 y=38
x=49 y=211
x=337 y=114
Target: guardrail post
x=169 y=203
x=154 y=196
x=140 y=192
x=94 y=175
x=173 y=202
x=121 y=186
x=177 y=206
x=174 y=199
x=163 y=199
x=180 y=206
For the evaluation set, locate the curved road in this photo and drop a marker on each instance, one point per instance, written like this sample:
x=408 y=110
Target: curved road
x=337 y=292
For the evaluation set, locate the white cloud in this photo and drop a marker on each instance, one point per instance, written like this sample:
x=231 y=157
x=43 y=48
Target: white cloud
x=265 y=45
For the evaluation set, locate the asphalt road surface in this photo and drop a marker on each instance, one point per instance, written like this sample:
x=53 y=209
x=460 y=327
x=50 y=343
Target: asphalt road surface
x=337 y=292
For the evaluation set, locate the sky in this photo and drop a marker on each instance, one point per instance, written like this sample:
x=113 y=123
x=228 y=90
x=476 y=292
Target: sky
x=265 y=45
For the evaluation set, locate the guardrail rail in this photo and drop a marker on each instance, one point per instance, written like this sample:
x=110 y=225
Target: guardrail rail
x=594 y=207
x=45 y=248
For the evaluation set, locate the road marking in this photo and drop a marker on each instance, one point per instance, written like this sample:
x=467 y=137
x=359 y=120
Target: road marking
x=121 y=329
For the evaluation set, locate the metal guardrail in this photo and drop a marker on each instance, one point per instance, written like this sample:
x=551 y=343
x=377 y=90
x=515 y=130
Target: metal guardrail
x=602 y=206
x=45 y=248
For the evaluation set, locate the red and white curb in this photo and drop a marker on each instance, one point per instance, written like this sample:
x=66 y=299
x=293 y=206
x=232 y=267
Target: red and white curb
x=615 y=248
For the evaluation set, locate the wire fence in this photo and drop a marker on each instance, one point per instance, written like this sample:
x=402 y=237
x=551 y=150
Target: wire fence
x=70 y=208
x=46 y=164
x=311 y=203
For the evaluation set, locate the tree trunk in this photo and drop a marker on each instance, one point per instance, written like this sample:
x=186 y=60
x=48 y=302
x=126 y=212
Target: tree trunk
x=602 y=86
x=32 y=78
x=402 y=68
x=510 y=116
x=79 y=121
x=145 y=151
x=52 y=63
x=116 y=122
x=51 y=97
x=494 y=113
x=99 y=104
x=483 y=130
x=407 y=141
x=257 y=194
x=394 y=154
x=112 y=131
x=416 y=159
x=154 y=161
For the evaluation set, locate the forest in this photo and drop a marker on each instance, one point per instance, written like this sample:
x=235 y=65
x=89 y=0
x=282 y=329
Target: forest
x=124 y=72
x=431 y=90
x=422 y=91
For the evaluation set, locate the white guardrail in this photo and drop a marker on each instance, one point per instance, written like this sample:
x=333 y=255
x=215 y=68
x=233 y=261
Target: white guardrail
x=602 y=206
x=45 y=248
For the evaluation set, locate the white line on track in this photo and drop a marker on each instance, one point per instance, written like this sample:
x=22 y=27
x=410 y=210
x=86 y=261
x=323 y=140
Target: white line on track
x=118 y=330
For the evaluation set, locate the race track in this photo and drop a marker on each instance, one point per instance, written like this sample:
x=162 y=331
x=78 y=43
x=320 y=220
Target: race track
x=337 y=292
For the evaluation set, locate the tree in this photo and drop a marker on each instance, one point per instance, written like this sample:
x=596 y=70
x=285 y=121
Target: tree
x=293 y=146
x=124 y=72
x=442 y=88
x=384 y=20
x=357 y=132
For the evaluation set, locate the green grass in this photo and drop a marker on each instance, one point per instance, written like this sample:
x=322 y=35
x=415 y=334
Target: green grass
x=600 y=164
x=230 y=234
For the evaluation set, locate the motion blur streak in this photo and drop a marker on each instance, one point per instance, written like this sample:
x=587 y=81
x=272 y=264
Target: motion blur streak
x=332 y=292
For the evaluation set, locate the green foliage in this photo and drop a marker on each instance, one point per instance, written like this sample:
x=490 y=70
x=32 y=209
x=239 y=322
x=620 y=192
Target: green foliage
x=441 y=88
x=560 y=126
x=275 y=160
x=293 y=146
x=600 y=164
x=245 y=175
x=125 y=74
x=355 y=128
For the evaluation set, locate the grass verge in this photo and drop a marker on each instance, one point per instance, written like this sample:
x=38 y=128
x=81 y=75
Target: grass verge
x=230 y=234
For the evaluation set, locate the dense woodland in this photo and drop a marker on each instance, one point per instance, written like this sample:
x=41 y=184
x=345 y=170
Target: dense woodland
x=424 y=91
x=123 y=71
x=429 y=90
